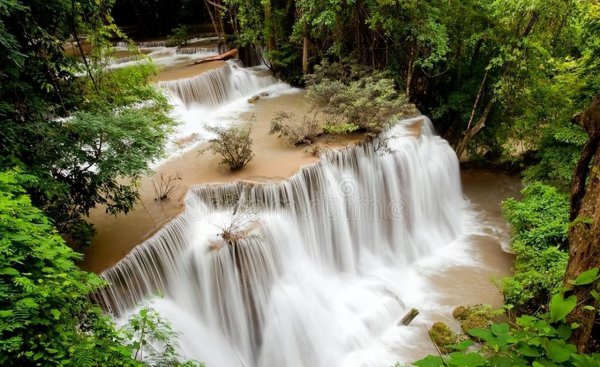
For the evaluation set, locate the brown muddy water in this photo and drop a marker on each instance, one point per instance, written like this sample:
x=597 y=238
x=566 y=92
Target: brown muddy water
x=477 y=283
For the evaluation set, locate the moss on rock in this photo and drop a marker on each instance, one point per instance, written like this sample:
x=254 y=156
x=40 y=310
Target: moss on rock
x=474 y=317
x=443 y=336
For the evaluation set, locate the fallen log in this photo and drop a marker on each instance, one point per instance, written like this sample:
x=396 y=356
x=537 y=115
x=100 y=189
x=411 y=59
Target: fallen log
x=407 y=319
x=220 y=57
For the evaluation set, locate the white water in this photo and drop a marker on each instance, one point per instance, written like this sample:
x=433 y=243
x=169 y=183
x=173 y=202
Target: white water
x=216 y=98
x=163 y=56
x=332 y=259
x=216 y=87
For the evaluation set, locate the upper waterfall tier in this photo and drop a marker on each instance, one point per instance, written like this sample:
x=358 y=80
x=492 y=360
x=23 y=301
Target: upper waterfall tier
x=305 y=272
x=222 y=85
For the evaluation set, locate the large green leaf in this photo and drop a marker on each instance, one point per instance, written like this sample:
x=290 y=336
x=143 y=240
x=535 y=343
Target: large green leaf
x=430 y=361
x=561 y=307
x=466 y=360
x=500 y=329
x=558 y=350
x=587 y=277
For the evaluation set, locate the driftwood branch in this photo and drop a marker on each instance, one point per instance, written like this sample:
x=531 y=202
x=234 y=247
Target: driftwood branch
x=221 y=57
x=409 y=317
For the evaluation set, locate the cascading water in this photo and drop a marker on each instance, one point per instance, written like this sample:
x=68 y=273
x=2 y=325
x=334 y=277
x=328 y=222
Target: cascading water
x=205 y=51
x=312 y=271
x=216 y=98
x=216 y=87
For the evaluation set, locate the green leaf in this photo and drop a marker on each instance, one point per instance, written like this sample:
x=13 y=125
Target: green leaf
x=587 y=277
x=9 y=271
x=430 y=361
x=500 y=329
x=466 y=360
x=482 y=334
x=564 y=331
x=5 y=313
x=558 y=351
x=582 y=360
x=462 y=346
x=561 y=307
x=529 y=351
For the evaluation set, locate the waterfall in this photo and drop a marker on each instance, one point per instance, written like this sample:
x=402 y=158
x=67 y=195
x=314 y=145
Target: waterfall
x=216 y=87
x=310 y=271
x=204 y=51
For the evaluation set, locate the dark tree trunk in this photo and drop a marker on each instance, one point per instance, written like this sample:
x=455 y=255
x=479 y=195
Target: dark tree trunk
x=305 y=56
x=584 y=235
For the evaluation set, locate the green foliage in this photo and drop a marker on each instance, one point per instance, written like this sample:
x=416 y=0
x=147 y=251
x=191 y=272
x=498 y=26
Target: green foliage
x=340 y=128
x=78 y=128
x=153 y=340
x=46 y=316
x=540 y=223
x=286 y=63
x=234 y=145
x=560 y=148
x=541 y=340
x=533 y=63
x=369 y=102
x=294 y=130
x=540 y=218
x=179 y=36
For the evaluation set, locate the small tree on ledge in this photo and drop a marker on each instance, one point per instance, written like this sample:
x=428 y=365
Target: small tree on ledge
x=234 y=145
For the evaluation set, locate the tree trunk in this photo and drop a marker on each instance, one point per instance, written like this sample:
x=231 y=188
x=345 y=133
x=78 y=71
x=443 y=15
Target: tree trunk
x=81 y=52
x=410 y=70
x=213 y=7
x=269 y=25
x=472 y=131
x=305 y=49
x=584 y=235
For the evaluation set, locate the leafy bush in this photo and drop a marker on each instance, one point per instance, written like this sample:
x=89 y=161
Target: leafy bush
x=340 y=128
x=178 y=36
x=359 y=98
x=152 y=340
x=46 y=316
x=539 y=222
x=560 y=149
x=537 y=275
x=234 y=145
x=294 y=130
